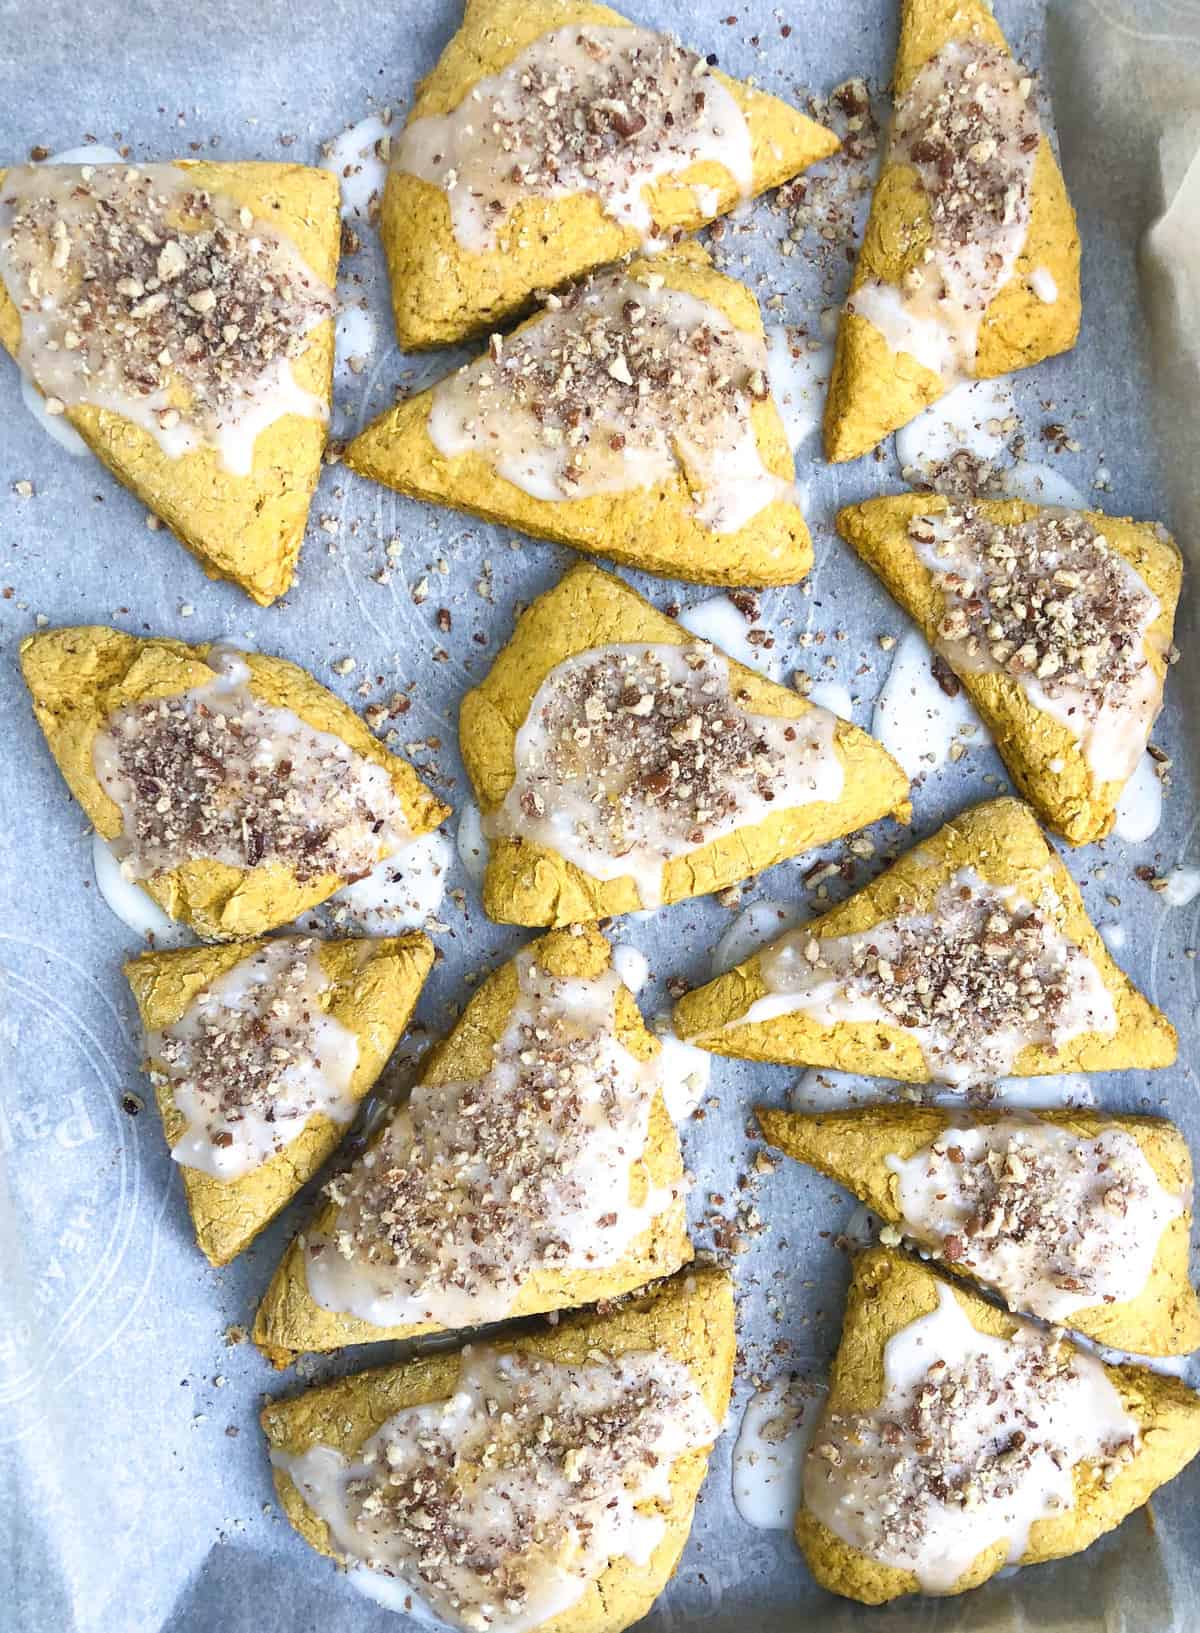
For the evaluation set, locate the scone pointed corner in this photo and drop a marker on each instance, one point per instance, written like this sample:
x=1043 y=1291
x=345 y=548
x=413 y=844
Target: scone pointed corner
x=246 y=527
x=1000 y=844
x=876 y=384
x=1049 y=762
x=888 y=1292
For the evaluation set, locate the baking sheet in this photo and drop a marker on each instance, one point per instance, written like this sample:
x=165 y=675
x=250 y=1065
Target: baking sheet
x=135 y=1490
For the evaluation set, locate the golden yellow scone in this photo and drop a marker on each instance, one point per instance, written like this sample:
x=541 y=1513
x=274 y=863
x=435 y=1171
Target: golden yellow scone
x=689 y=1318
x=1002 y=843
x=245 y=528
x=1047 y=761
x=874 y=390
x=289 y=1320
x=79 y=677
x=887 y=1293
x=373 y=988
x=655 y=528
x=528 y=883
x=852 y=1147
x=442 y=291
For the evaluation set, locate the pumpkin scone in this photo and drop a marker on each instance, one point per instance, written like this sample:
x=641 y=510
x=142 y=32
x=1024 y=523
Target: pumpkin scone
x=969 y=266
x=621 y=763
x=555 y=136
x=232 y=787
x=631 y=418
x=1057 y=622
x=534 y=1167
x=180 y=316
x=970 y=958
x=1079 y=1217
x=957 y=1440
x=260 y=1053
x=542 y=1481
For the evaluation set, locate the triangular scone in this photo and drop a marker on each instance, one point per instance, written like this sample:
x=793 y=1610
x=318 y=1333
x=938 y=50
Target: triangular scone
x=699 y=488
x=530 y=878
x=522 y=1031
x=366 y=988
x=979 y=595
x=947 y=998
x=877 y=385
x=244 y=517
x=685 y=1323
x=1075 y=1216
x=82 y=680
x=527 y=239
x=1133 y=1428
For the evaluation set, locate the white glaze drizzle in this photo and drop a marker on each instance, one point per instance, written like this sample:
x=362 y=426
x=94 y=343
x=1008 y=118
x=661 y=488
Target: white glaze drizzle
x=253 y=1058
x=275 y=762
x=477 y=1185
x=197 y=389
x=620 y=387
x=1053 y=1220
x=1001 y=1425
x=984 y=931
x=501 y=1504
x=587 y=784
x=600 y=110
x=970 y=99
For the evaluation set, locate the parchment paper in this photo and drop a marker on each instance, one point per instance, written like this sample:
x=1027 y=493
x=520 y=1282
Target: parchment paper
x=135 y=1490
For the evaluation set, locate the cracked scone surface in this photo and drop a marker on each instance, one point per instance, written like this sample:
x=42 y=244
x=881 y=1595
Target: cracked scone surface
x=654 y=528
x=1002 y=843
x=79 y=677
x=442 y=292
x=1047 y=761
x=887 y=1293
x=373 y=988
x=874 y=390
x=689 y=1318
x=245 y=528
x=851 y=1147
x=290 y=1321
x=531 y=884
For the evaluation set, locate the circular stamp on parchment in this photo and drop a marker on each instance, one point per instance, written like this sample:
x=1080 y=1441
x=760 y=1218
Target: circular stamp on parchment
x=75 y=1206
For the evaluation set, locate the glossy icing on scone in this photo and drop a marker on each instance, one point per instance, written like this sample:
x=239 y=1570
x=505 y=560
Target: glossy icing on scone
x=976 y=1439
x=634 y=755
x=499 y=1506
x=969 y=127
x=1051 y=603
x=146 y=294
x=622 y=382
x=1053 y=1221
x=253 y=1057
x=214 y=773
x=582 y=109
x=477 y=1185
x=977 y=979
